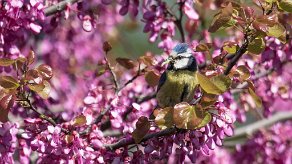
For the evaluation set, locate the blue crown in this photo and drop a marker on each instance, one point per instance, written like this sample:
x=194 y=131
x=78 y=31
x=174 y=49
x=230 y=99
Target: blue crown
x=181 y=48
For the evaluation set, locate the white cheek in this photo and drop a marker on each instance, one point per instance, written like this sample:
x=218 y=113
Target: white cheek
x=182 y=63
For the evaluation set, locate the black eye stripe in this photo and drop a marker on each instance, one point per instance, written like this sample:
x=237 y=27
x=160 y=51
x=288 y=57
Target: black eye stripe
x=180 y=57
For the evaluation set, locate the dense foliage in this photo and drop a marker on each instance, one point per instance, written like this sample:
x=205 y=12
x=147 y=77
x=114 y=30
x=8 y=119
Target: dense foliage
x=65 y=97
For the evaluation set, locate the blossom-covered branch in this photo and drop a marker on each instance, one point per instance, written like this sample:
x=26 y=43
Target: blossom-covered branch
x=77 y=107
x=42 y=116
x=130 y=141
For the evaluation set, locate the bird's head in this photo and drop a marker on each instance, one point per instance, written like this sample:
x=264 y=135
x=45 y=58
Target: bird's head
x=181 y=58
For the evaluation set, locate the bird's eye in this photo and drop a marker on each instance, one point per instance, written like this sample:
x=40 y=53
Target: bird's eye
x=179 y=57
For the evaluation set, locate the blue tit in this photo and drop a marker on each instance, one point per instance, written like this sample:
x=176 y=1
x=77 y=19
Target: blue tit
x=178 y=83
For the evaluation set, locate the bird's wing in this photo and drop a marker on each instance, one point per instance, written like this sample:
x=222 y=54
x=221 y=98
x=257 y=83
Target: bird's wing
x=161 y=80
x=184 y=93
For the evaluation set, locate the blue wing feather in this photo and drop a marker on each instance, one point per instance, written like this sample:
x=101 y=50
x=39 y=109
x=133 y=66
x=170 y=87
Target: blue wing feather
x=185 y=92
x=161 y=80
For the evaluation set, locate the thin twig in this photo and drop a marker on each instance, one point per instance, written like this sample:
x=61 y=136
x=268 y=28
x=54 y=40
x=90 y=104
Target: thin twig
x=129 y=141
x=178 y=21
x=59 y=7
x=271 y=9
x=132 y=79
x=96 y=121
x=236 y=57
x=255 y=77
x=263 y=9
x=238 y=54
x=42 y=116
x=112 y=73
x=146 y=98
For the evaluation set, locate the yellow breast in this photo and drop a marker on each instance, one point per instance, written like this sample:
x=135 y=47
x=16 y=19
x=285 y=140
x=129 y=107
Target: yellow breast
x=178 y=87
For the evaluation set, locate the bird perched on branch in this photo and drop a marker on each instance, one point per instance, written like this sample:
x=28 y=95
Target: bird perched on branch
x=177 y=84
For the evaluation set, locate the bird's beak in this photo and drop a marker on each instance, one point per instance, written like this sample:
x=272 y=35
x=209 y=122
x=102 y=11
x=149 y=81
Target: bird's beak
x=168 y=60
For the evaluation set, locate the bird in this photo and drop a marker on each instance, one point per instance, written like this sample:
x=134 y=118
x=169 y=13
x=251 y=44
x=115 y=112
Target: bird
x=178 y=82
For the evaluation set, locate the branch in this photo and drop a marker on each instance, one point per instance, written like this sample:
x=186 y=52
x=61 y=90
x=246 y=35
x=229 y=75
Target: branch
x=244 y=46
x=42 y=116
x=237 y=56
x=146 y=98
x=96 y=121
x=264 y=73
x=254 y=127
x=59 y=7
x=125 y=142
x=178 y=21
x=241 y=86
x=132 y=79
x=112 y=73
x=256 y=77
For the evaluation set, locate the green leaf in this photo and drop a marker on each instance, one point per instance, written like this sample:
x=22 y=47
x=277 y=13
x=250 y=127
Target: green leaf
x=79 y=120
x=19 y=63
x=231 y=49
x=3 y=115
x=276 y=31
x=220 y=22
x=285 y=5
x=257 y=46
x=222 y=82
x=243 y=72
x=164 y=117
x=6 y=62
x=69 y=138
x=33 y=75
x=6 y=103
x=46 y=91
x=147 y=59
x=31 y=57
x=230 y=23
x=202 y=47
x=127 y=63
x=8 y=82
x=270 y=1
x=206 y=118
x=207 y=85
x=100 y=71
x=36 y=87
x=186 y=116
x=256 y=98
x=208 y=99
x=46 y=71
x=261 y=27
x=223 y=19
x=269 y=20
x=142 y=128
x=215 y=85
x=152 y=78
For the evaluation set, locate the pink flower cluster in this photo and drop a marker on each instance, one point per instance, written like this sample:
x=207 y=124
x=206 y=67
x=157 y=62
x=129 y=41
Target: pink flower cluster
x=268 y=146
x=274 y=87
x=8 y=141
x=18 y=17
x=83 y=90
